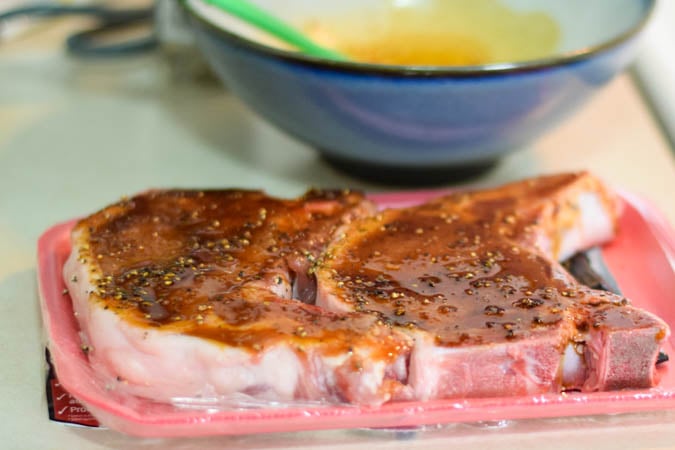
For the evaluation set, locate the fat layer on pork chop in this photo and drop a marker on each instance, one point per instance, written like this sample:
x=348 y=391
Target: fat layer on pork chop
x=473 y=279
x=199 y=294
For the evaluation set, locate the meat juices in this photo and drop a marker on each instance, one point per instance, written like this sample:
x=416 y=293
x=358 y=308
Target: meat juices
x=186 y=294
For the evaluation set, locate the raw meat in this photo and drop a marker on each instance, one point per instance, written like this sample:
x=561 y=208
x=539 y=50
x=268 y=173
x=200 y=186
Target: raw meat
x=217 y=296
x=187 y=295
x=472 y=278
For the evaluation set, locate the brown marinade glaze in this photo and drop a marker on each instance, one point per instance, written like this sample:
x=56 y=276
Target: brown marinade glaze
x=466 y=267
x=450 y=277
x=252 y=324
x=220 y=264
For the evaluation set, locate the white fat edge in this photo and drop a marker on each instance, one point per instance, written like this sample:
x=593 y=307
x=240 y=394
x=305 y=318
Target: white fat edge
x=421 y=376
x=573 y=364
x=595 y=226
x=80 y=282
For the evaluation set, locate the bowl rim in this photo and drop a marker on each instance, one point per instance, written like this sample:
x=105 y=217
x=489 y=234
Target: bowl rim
x=484 y=70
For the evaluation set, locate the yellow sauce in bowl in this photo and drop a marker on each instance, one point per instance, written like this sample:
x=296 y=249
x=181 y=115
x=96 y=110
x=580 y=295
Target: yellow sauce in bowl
x=440 y=33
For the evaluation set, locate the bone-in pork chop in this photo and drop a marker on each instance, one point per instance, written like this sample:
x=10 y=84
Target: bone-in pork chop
x=186 y=294
x=473 y=279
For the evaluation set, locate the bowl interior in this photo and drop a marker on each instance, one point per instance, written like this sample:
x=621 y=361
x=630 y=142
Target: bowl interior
x=580 y=25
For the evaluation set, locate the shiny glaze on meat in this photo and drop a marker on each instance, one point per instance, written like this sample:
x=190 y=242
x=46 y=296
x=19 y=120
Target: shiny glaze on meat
x=465 y=267
x=459 y=296
x=219 y=264
x=472 y=277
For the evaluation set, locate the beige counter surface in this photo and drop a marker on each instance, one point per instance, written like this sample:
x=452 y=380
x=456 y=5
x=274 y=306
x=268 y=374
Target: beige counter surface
x=76 y=135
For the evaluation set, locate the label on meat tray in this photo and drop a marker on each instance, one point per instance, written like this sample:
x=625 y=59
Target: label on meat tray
x=62 y=406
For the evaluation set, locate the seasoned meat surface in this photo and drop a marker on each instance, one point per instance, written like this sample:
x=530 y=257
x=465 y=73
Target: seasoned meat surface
x=472 y=277
x=222 y=294
x=202 y=294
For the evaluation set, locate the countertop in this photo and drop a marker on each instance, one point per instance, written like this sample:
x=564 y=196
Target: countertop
x=77 y=135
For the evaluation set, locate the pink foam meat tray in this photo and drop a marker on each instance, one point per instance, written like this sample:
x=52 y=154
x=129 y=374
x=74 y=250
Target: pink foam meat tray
x=642 y=259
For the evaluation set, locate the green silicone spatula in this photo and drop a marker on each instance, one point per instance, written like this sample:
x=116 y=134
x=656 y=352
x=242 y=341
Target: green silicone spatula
x=263 y=20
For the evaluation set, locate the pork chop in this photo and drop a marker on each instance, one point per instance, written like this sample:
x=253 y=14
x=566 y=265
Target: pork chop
x=472 y=278
x=198 y=295
x=222 y=295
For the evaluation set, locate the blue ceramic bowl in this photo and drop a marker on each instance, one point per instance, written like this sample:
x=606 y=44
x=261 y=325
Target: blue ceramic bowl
x=395 y=119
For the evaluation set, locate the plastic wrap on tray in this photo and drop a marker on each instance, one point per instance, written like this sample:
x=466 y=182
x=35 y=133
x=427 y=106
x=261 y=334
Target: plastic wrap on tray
x=644 y=235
